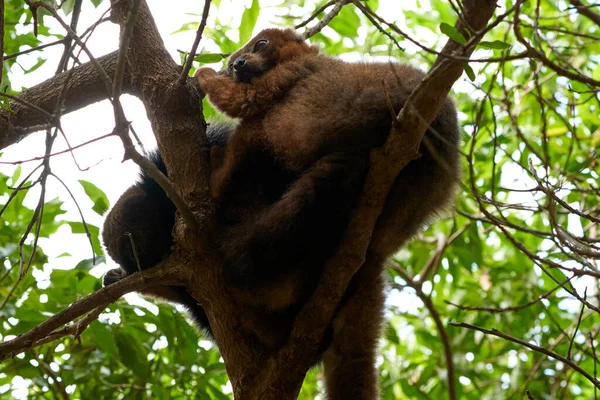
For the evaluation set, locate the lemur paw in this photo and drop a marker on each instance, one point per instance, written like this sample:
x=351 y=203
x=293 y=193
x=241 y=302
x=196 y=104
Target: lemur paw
x=204 y=74
x=114 y=275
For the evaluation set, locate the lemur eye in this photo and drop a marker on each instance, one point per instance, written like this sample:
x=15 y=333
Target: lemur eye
x=259 y=45
x=230 y=67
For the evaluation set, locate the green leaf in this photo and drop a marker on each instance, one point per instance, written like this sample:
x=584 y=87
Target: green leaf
x=67 y=6
x=469 y=71
x=78 y=227
x=209 y=58
x=132 y=354
x=104 y=338
x=249 y=18
x=97 y=196
x=16 y=175
x=88 y=263
x=346 y=23
x=452 y=33
x=495 y=45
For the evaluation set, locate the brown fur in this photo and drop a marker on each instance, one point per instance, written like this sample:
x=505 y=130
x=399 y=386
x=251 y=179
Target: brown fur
x=317 y=118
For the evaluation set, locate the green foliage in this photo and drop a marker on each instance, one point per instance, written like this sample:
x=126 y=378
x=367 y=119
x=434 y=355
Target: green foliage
x=97 y=196
x=517 y=116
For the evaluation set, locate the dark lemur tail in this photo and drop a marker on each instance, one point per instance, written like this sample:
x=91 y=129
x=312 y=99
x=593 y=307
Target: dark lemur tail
x=137 y=231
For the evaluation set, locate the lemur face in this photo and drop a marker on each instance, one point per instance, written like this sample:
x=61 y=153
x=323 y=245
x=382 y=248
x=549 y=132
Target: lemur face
x=263 y=52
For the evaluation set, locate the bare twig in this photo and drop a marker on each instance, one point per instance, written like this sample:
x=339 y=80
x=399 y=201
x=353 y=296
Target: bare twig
x=533 y=347
x=577 y=326
x=326 y=19
x=64 y=59
x=192 y=53
x=85 y=226
x=533 y=52
x=315 y=14
x=37 y=48
x=70 y=149
x=513 y=308
x=418 y=287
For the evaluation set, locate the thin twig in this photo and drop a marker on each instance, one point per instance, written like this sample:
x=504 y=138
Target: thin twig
x=37 y=48
x=512 y=308
x=85 y=225
x=68 y=40
x=58 y=152
x=586 y=11
x=326 y=19
x=190 y=57
x=418 y=287
x=28 y=104
x=533 y=347
x=315 y=14
x=577 y=326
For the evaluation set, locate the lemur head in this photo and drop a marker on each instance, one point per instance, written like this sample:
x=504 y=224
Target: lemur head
x=267 y=49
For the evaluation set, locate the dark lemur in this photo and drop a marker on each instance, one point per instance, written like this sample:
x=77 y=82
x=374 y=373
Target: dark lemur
x=144 y=217
x=288 y=179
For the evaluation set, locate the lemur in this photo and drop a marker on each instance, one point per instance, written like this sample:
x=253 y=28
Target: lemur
x=285 y=184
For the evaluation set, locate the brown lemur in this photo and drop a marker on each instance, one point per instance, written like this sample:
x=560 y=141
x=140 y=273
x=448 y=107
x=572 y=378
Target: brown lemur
x=306 y=125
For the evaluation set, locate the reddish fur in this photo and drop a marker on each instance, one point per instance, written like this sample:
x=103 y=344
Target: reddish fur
x=318 y=118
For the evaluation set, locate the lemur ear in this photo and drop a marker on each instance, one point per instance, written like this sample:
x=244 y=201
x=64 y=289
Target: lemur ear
x=314 y=49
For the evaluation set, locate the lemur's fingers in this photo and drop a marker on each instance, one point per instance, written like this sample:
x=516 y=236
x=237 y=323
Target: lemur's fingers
x=114 y=275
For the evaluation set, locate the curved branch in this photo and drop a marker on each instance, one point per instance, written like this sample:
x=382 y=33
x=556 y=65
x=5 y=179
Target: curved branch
x=538 y=349
x=586 y=11
x=168 y=273
x=85 y=88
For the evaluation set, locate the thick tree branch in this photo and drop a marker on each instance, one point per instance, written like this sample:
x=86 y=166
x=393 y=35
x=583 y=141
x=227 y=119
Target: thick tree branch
x=85 y=88
x=586 y=11
x=175 y=111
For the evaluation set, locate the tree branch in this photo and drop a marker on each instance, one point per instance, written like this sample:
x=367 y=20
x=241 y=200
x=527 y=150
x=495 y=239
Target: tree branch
x=168 y=273
x=192 y=53
x=326 y=19
x=586 y=11
x=175 y=111
x=533 y=347
x=85 y=88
